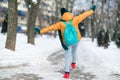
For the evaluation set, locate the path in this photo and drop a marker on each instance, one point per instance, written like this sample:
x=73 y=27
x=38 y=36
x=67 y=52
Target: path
x=57 y=58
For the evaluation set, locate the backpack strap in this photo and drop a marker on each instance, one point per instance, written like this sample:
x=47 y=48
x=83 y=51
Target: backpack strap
x=70 y=21
x=67 y=23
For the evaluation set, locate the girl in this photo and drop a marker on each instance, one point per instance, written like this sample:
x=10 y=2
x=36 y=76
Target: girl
x=68 y=19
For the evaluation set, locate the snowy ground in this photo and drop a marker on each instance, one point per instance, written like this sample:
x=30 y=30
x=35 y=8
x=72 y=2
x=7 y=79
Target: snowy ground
x=45 y=60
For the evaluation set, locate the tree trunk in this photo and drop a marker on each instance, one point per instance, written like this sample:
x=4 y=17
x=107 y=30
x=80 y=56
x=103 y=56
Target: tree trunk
x=12 y=25
x=92 y=25
x=56 y=15
x=32 y=12
x=40 y=18
x=118 y=18
x=102 y=15
x=67 y=4
x=71 y=5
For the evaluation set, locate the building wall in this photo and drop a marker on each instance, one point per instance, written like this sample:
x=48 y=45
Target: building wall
x=21 y=7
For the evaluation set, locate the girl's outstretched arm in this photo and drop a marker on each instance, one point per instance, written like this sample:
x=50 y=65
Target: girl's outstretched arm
x=84 y=15
x=49 y=28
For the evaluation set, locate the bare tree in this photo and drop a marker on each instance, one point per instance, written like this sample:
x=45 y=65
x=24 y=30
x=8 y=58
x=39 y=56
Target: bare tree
x=56 y=14
x=67 y=4
x=92 y=24
x=40 y=15
x=32 y=14
x=12 y=25
x=117 y=28
x=102 y=14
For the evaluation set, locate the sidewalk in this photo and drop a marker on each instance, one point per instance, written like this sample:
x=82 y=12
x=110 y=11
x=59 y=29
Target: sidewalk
x=57 y=58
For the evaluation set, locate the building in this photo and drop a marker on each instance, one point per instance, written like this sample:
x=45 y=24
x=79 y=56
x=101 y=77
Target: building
x=22 y=10
x=50 y=9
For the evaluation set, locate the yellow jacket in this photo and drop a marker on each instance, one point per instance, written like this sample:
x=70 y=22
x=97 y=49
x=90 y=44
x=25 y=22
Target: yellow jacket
x=67 y=16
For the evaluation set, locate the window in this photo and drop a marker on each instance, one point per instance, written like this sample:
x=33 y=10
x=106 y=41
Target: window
x=5 y=1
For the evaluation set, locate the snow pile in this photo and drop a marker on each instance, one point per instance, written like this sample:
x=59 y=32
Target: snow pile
x=102 y=62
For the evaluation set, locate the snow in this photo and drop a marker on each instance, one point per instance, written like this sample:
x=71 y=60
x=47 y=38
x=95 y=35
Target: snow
x=100 y=60
x=28 y=58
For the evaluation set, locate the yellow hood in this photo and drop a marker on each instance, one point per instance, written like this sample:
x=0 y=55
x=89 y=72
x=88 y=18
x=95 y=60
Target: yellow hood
x=67 y=16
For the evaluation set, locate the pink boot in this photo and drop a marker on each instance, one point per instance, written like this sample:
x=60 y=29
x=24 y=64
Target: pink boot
x=73 y=65
x=66 y=75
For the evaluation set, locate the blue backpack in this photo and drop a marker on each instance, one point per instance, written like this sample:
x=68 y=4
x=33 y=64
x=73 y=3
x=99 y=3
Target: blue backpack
x=70 y=34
